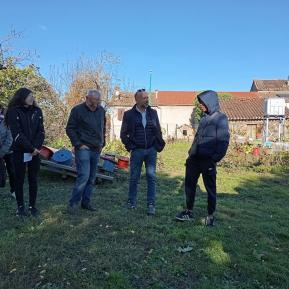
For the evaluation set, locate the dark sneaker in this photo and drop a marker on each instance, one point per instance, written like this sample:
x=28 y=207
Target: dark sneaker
x=72 y=210
x=210 y=221
x=130 y=205
x=21 y=212
x=185 y=216
x=34 y=212
x=88 y=207
x=151 y=210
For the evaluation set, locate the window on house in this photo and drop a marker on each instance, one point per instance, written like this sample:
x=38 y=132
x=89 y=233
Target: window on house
x=259 y=132
x=185 y=132
x=120 y=113
x=252 y=131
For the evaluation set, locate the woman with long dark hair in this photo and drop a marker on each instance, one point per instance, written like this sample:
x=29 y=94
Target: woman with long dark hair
x=25 y=121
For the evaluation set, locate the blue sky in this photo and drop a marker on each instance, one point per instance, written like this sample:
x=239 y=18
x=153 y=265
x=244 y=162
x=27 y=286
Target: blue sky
x=189 y=45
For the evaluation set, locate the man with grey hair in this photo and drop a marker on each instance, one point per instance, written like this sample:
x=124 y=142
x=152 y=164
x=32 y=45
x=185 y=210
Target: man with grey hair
x=86 y=131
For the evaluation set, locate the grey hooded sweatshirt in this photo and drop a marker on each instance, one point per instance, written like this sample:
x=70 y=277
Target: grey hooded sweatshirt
x=212 y=137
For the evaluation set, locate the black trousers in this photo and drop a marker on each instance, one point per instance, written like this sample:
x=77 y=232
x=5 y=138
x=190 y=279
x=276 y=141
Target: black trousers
x=194 y=167
x=3 y=173
x=10 y=170
x=20 y=169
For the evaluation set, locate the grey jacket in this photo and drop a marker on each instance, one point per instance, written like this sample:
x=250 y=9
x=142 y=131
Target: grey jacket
x=5 y=139
x=212 y=137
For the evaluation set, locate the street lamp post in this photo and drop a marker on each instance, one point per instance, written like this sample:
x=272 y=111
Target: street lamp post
x=150 y=87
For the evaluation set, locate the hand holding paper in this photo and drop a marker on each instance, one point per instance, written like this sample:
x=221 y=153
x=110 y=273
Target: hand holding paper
x=27 y=157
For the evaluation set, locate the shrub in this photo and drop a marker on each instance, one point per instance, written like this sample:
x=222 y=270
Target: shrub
x=240 y=155
x=59 y=143
x=117 y=147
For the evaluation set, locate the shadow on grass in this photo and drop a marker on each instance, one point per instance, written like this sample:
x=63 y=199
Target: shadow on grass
x=116 y=248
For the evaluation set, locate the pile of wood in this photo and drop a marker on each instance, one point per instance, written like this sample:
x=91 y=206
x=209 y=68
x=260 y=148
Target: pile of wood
x=63 y=162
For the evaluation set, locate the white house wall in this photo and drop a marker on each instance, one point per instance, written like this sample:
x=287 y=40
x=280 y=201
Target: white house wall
x=115 y=123
x=172 y=117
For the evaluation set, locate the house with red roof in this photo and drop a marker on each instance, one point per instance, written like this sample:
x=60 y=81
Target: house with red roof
x=174 y=109
x=245 y=110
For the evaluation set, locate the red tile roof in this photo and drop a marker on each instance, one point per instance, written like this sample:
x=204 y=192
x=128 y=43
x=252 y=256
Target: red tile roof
x=245 y=109
x=157 y=98
x=123 y=99
x=238 y=105
x=173 y=98
x=240 y=94
x=270 y=85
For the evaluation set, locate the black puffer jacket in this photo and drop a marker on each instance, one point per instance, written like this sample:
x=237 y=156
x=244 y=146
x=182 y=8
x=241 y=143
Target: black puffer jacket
x=26 y=125
x=133 y=135
x=212 y=137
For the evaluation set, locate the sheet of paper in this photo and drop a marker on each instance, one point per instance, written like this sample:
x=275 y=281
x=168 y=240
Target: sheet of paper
x=27 y=157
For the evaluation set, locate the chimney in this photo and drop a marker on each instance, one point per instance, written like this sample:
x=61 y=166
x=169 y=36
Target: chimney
x=117 y=93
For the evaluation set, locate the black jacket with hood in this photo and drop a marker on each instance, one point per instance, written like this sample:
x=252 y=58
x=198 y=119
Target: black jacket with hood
x=212 y=137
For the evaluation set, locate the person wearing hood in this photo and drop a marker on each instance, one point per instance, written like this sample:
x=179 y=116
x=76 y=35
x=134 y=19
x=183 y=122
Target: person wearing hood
x=209 y=147
x=25 y=120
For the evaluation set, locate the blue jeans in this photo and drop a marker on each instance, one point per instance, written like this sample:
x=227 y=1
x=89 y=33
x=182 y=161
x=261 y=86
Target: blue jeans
x=149 y=157
x=86 y=164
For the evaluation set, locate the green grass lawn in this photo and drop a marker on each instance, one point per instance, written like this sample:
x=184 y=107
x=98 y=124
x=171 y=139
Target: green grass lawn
x=114 y=248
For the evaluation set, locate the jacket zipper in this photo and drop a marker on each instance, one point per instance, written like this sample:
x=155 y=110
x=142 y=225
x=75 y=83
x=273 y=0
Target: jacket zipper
x=146 y=145
x=29 y=122
x=145 y=137
x=144 y=132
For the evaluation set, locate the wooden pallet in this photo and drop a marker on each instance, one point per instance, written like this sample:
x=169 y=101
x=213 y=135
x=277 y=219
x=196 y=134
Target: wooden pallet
x=69 y=171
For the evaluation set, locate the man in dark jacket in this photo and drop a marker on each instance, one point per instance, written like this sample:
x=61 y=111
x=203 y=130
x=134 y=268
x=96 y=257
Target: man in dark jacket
x=86 y=130
x=209 y=147
x=141 y=134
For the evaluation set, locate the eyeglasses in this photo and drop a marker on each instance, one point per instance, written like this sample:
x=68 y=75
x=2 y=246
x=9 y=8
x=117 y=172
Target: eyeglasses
x=141 y=90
